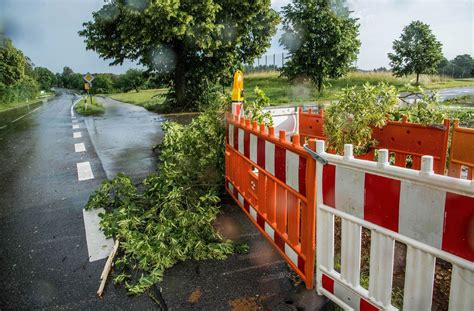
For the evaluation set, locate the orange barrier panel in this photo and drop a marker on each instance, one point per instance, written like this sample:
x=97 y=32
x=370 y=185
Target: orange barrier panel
x=404 y=139
x=273 y=181
x=462 y=151
x=311 y=124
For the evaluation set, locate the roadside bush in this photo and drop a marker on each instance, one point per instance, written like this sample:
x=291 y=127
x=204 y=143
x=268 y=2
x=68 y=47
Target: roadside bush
x=350 y=121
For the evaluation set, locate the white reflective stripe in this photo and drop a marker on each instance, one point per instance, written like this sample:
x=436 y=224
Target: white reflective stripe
x=325 y=235
x=349 y=184
x=292 y=169
x=291 y=254
x=381 y=267
x=231 y=187
x=231 y=135
x=75 y=126
x=319 y=181
x=421 y=213
x=270 y=157
x=253 y=148
x=461 y=294
x=253 y=213
x=269 y=230
x=241 y=140
x=79 y=147
x=419 y=276
x=348 y=296
x=350 y=252
x=241 y=199
x=77 y=134
x=84 y=171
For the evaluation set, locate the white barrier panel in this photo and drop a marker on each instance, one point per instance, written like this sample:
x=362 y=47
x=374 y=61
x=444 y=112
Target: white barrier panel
x=284 y=119
x=433 y=215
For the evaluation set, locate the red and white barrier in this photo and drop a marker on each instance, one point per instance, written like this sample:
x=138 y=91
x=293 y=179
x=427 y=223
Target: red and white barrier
x=287 y=166
x=432 y=214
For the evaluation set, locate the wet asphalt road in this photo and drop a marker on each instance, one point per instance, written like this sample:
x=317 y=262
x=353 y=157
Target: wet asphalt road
x=43 y=249
x=43 y=252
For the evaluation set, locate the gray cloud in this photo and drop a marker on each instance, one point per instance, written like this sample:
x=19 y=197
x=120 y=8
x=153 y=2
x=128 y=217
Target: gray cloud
x=46 y=30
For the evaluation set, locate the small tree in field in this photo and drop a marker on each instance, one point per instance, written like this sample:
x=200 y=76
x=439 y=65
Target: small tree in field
x=321 y=41
x=417 y=51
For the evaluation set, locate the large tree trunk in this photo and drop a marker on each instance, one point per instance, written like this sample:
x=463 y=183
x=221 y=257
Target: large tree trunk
x=180 y=78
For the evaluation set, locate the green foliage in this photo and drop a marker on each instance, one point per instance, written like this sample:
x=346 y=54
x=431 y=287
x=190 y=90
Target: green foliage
x=104 y=83
x=71 y=80
x=418 y=51
x=426 y=109
x=254 y=109
x=322 y=42
x=462 y=66
x=191 y=44
x=45 y=78
x=350 y=120
x=171 y=219
x=133 y=79
x=12 y=64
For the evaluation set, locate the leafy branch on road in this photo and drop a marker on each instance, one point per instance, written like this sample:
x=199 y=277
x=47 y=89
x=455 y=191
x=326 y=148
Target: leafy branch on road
x=171 y=220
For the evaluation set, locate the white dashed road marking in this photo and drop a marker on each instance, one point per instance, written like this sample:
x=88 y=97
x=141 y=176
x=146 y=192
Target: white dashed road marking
x=98 y=246
x=79 y=147
x=77 y=134
x=75 y=126
x=84 y=171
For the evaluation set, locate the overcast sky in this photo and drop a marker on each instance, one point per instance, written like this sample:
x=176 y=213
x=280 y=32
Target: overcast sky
x=46 y=30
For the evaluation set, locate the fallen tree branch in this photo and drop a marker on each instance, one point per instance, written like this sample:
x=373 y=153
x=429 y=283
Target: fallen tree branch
x=107 y=267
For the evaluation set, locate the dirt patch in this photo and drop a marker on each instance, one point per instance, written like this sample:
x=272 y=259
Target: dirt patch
x=195 y=296
x=246 y=303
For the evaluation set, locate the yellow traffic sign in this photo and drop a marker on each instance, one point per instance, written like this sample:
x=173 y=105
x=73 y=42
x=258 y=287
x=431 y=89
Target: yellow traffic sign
x=88 y=77
x=87 y=86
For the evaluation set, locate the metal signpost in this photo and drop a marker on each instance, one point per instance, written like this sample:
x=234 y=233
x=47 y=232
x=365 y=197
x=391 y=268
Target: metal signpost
x=88 y=85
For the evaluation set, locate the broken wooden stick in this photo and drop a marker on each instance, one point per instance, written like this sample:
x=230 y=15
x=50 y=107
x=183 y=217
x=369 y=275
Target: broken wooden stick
x=107 y=267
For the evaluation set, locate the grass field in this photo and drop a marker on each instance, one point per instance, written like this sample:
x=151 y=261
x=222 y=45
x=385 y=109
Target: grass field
x=7 y=106
x=149 y=99
x=282 y=92
x=92 y=110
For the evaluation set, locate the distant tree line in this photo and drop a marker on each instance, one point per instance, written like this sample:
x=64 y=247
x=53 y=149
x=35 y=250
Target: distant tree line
x=462 y=66
x=104 y=83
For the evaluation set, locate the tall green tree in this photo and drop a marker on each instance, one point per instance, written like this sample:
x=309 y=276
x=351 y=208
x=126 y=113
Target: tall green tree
x=12 y=64
x=45 y=77
x=417 y=51
x=322 y=42
x=192 y=43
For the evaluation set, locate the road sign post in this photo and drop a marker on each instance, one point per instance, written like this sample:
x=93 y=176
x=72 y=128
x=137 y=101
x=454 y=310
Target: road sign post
x=87 y=86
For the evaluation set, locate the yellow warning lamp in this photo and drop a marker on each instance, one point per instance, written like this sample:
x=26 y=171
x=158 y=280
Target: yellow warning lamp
x=238 y=87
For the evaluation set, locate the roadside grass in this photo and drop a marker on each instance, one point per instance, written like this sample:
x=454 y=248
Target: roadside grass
x=17 y=104
x=282 y=92
x=148 y=99
x=92 y=110
x=467 y=101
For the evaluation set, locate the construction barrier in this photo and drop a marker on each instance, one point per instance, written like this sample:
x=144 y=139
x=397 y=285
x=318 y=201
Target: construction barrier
x=273 y=181
x=311 y=124
x=406 y=141
x=410 y=140
x=462 y=151
x=433 y=215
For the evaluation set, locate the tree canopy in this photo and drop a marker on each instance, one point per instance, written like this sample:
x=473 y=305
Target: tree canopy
x=45 y=77
x=191 y=43
x=417 y=51
x=321 y=38
x=12 y=64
